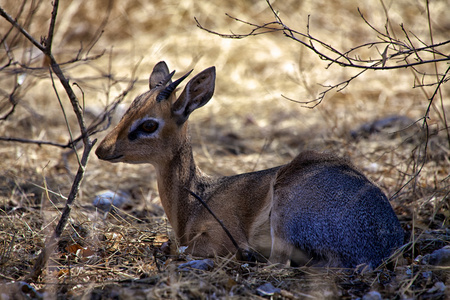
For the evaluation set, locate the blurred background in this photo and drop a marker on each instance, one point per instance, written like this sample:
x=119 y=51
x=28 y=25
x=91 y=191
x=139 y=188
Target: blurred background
x=248 y=115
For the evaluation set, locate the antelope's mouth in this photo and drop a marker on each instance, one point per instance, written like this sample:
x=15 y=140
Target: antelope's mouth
x=113 y=159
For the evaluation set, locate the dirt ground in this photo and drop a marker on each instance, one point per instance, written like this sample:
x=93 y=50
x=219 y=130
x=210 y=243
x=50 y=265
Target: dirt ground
x=248 y=125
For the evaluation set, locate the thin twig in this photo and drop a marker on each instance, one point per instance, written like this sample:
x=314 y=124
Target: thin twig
x=430 y=28
x=21 y=29
x=51 y=29
x=36 y=142
x=342 y=58
x=52 y=240
x=427 y=135
x=99 y=32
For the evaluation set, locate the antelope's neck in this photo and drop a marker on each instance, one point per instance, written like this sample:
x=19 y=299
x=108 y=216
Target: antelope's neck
x=174 y=178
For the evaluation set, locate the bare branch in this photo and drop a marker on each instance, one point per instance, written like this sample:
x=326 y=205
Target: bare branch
x=36 y=142
x=22 y=30
x=342 y=58
x=101 y=28
x=2 y=41
x=51 y=28
x=13 y=101
x=436 y=91
x=394 y=56
x=46 y=47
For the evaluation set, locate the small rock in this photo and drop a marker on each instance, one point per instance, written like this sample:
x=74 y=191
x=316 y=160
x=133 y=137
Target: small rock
x=202 y=264
x=390 y=126
x=165 y=247
x=427 y=274
x=438 y=287
x=372 y=295
x=106 y=199
x=28 y=291
x=267 y=289
x=440 y=257
x=182 y=249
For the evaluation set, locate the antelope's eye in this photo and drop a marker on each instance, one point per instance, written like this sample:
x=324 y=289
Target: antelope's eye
x=149 y=126
x=146 y=128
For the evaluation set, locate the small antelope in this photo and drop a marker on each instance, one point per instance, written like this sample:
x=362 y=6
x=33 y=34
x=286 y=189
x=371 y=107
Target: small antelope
x=316 y=208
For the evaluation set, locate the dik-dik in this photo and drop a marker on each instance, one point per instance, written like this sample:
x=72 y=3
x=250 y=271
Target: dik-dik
x=318 y=205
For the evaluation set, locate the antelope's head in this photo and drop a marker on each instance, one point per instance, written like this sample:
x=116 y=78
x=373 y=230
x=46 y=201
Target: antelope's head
x=155 y=126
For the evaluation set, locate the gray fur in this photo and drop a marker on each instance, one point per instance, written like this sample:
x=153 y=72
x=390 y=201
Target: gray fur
x=339 y=215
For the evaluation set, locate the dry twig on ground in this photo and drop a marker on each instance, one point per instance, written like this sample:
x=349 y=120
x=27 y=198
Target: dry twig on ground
x=54 y=68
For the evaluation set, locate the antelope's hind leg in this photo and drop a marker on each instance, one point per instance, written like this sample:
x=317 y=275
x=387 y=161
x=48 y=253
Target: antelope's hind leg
x=285 y=246
x=282 y=249
x=286 y=240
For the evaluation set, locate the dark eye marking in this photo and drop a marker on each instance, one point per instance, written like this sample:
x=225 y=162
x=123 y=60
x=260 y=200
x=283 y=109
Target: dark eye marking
x=146 y=127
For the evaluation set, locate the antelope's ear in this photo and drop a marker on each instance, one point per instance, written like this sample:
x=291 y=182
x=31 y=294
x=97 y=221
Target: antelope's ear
x=159 y=74
x=197 y=93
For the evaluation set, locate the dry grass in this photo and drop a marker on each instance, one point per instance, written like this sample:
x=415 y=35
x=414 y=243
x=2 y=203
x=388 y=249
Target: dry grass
x=247 y=126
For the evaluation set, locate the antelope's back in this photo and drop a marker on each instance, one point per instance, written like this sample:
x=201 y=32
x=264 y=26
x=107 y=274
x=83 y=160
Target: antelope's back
x=332 y=210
